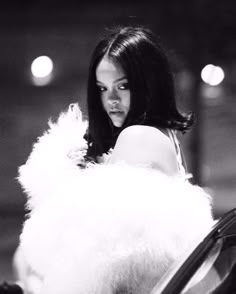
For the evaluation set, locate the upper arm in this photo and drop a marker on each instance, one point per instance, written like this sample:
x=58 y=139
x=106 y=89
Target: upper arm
x=147 y=146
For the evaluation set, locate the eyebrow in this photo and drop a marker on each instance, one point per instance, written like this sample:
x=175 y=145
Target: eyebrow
x=117 y=80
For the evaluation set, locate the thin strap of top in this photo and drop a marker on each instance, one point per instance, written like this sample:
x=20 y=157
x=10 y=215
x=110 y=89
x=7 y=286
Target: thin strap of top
x=180 y=158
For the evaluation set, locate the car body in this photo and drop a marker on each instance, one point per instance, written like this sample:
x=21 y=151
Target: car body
x=209 y=266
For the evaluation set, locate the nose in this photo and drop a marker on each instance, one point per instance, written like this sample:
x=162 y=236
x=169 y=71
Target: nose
x=113 y=97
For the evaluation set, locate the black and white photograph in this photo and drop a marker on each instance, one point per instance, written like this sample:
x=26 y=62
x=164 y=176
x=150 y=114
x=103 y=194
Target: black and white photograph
x=118 y=147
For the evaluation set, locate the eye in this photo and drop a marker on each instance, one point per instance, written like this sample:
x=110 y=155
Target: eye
x=101 y=88
x=123 y=86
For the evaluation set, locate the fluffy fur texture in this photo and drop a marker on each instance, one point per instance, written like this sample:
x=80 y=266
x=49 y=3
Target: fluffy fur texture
x=105 y=229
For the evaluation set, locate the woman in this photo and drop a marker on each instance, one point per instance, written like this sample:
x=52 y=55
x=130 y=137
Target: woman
x=131 y=84
x=110 y=206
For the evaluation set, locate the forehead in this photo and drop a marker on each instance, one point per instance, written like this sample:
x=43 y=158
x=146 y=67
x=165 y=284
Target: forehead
x=107 y=68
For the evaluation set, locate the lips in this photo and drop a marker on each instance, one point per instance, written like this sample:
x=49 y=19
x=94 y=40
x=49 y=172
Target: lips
x=117 y=116
x=115 y=111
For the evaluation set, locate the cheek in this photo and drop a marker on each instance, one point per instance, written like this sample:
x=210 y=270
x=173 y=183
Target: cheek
x=127 y=102
x=104 y=101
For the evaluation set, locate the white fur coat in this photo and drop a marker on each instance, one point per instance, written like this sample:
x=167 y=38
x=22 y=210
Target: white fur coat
x=107 y=228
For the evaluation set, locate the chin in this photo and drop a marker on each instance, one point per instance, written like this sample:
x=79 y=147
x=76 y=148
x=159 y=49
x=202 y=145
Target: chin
x=118 y=124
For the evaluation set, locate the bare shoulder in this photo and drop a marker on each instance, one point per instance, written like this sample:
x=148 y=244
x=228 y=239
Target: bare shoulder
x=144 y=145
x=144 y=134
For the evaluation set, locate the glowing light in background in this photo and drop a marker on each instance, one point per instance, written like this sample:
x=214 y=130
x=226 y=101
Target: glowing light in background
x=212 y=74
x=41 y=69
x=42 y=66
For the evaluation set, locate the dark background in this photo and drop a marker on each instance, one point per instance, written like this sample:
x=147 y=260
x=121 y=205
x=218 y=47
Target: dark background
x=194 y=33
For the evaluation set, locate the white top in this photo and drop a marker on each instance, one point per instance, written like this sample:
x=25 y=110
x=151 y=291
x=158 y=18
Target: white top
x=181 y=163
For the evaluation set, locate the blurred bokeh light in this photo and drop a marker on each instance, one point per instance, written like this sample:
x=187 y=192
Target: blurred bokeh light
x=212 y=74
x=41 y=69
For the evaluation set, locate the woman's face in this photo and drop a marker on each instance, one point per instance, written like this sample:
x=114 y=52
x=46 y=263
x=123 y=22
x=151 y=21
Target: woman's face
x=114 y=90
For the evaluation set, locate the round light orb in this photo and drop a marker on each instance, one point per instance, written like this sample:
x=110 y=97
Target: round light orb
x=212 y=74
x=41 y=67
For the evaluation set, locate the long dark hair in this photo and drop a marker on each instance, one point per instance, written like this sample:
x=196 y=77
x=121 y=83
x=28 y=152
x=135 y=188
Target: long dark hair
x=150 y=82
